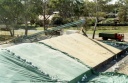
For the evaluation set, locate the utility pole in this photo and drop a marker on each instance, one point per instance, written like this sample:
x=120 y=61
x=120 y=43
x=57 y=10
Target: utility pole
x=96 y=20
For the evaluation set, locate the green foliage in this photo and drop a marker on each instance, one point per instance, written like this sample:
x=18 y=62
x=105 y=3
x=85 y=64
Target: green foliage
x=90 y=20
x=5 y=37
x=40 y=23
x=36 y=7
x=57 y=20
x=101 y=14
x=67 y=20
x=10 y=10
x=103 y=5
x=108 y=21
x=89 y=8
x=87 y=24
x=123 y=11
x=68 y=8
x=78 y=8
x=123 y=14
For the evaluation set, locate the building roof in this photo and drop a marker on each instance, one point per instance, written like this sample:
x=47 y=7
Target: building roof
x=41 y=17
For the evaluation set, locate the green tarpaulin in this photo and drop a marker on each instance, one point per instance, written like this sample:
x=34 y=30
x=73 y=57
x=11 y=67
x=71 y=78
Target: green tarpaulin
x=40 y=63
x=37 y=62
x=108 y=77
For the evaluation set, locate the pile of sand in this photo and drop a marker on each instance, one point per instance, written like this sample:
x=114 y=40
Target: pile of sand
x=91 y=52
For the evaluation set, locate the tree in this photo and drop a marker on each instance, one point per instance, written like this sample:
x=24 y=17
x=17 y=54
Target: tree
x=41 y=7
x=45 y=3
x=103 y=5
x=68 y=8
x=31 y=9
x=96 y=20
x=26 y=13
x=10 y=10
x=78 y=8
x=122 y=14
x=89 y=9
x=123 y=10
x=100 y=6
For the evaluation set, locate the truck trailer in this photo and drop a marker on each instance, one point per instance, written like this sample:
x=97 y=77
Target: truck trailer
x=116 y=36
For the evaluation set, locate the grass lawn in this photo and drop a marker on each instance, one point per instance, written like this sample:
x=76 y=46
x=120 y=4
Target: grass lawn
x=5 y=35
x=109 y=29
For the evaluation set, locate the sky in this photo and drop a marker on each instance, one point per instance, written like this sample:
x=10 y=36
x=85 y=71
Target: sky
x=113 y=1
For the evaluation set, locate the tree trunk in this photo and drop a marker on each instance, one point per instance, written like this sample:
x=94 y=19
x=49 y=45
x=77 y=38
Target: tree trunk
x=84 y=33
x=95 y=21
x=44 y=20
x=26 y=27
x=95 y=28
x=11 y=33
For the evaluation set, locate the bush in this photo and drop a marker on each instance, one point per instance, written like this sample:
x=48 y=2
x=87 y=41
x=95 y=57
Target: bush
x=57 y=20
x=40 y=23
x=67 y=20
x=90 y=21
x=32 y=21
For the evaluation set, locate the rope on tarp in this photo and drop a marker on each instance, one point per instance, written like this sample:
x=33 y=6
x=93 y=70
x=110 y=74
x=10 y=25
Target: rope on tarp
x=76 y=59
x=68 y=25
x=65 y=54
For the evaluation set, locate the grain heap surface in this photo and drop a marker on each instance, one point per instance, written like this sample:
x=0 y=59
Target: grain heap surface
x=89 y=51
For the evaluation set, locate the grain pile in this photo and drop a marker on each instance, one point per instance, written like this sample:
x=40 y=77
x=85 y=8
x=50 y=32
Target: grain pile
x=90 y=52
x=126 y=37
